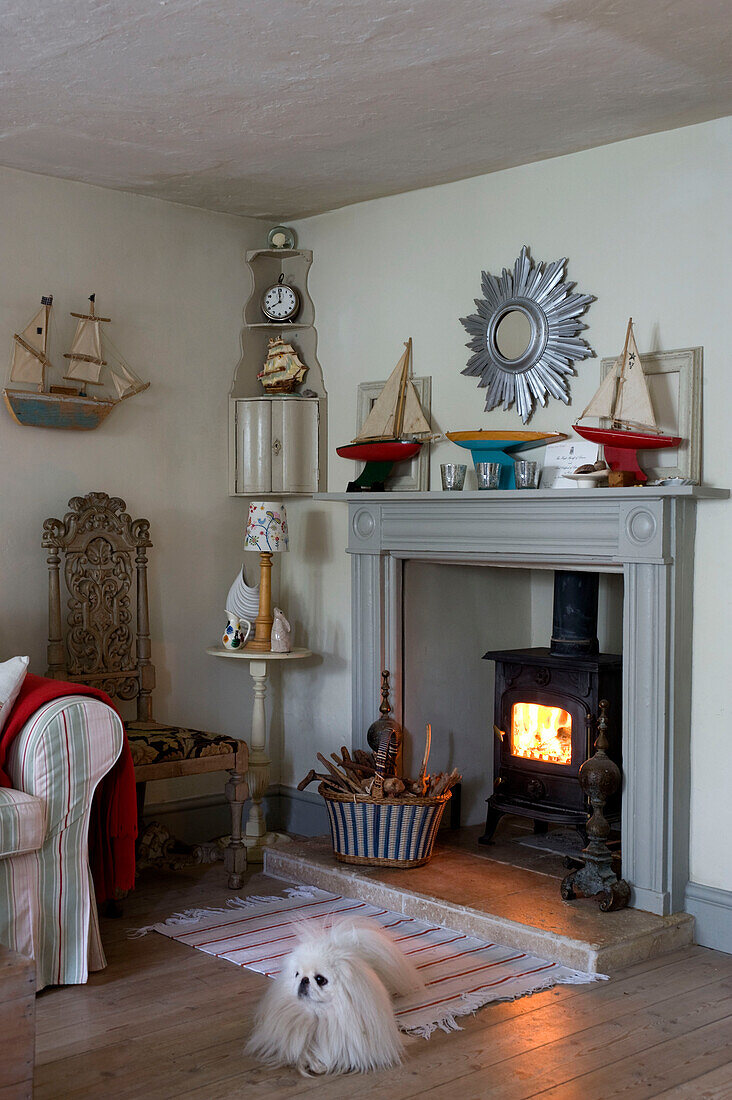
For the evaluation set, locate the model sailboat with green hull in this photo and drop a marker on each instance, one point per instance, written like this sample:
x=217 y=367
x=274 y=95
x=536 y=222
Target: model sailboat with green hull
x=34 y=402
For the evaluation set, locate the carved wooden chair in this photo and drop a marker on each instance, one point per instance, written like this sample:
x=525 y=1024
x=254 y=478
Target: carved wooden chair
x=99 y=645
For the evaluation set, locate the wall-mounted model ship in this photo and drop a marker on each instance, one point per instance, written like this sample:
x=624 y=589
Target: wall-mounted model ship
x=35 y=402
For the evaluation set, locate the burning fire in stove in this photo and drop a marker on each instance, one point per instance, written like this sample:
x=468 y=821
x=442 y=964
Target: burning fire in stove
x=541 y=733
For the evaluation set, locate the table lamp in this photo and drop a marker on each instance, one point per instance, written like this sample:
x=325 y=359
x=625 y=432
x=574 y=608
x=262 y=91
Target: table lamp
x=266 y=532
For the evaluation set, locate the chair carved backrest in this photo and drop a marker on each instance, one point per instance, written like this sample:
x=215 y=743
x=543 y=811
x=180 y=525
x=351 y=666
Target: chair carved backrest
x=98 y=643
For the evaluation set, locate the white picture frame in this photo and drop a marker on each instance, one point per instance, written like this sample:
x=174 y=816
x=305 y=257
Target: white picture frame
x=415 y=474
x=675 y=384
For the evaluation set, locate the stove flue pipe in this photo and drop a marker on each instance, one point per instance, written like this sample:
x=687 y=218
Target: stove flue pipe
x=574 y=622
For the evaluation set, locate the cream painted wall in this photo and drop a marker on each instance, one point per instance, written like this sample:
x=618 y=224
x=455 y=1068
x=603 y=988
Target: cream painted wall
x=174 y=281
x=646 y=226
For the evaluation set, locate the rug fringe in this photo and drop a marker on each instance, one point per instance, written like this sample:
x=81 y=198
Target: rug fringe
x=471 y=1002
x=269 y=899
x=194 y=916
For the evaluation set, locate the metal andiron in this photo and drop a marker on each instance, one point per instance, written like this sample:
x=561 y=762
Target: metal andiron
x=599 y=778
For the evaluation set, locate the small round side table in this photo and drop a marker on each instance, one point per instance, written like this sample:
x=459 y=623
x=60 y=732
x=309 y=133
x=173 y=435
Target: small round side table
x=256 y=836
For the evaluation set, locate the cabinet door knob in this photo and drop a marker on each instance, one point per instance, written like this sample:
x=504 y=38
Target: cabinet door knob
x=276 y=447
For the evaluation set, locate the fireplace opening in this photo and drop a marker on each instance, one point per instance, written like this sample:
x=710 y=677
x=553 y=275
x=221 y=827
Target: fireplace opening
x=546 y=702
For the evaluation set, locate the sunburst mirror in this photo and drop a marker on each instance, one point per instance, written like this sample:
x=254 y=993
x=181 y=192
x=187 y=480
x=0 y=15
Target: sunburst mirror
x=524 y=337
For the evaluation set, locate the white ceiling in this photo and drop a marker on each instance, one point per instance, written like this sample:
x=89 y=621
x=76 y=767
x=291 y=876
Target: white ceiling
x=283 y=108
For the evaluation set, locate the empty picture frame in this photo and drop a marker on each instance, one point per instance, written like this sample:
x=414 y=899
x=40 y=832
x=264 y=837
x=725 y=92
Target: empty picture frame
x=412 y=476
x=675 y=384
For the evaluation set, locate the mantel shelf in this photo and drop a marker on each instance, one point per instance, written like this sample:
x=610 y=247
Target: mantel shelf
x=639 y=494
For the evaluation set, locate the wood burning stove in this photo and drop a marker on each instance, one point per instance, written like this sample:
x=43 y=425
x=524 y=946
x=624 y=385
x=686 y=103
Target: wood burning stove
x=546 y=706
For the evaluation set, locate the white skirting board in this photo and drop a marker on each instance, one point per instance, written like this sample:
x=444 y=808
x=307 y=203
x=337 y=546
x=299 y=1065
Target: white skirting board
x=712 y=908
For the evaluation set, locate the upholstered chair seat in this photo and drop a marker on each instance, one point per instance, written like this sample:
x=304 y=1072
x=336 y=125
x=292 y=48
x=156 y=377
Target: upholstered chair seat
x=157 y=743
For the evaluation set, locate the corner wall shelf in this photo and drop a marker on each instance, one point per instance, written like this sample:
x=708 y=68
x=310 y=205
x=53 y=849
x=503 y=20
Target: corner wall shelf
x=277 y=443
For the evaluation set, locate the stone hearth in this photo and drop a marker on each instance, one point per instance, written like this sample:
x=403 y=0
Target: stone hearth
x=506 y=894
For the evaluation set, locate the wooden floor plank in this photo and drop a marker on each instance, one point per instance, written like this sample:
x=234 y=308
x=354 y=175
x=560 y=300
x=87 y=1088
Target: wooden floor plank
x=682 y=1059
x=166 y=1021
x=715 y=1085
x=594 y=1055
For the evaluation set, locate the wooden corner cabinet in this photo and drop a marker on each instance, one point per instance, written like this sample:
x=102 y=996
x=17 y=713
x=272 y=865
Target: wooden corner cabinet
x=277 y=444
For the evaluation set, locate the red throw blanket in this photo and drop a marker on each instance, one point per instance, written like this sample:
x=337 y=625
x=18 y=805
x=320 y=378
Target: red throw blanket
x=113 y=825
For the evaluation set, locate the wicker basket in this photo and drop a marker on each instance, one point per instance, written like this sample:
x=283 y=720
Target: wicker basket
x=379 y=831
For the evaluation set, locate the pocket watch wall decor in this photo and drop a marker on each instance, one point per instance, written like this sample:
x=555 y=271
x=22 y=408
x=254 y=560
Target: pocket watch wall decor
x=524 y=336
x=281 y=302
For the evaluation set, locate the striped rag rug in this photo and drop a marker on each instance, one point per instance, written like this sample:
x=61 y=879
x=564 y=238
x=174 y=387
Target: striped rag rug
x=460 y=973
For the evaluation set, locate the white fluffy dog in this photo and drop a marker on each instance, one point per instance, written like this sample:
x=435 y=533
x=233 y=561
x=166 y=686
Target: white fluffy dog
x=329 y=1010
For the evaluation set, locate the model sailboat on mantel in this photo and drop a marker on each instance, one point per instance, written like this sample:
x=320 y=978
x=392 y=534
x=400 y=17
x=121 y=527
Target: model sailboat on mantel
x=394 y=430
x=35 y=403
x=624 y=400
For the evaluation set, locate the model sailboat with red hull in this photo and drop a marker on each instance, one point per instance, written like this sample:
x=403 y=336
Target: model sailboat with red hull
x=624 y=400
x=394 y=430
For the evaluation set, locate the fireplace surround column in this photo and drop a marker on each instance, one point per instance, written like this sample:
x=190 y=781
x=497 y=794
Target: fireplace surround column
x=647 y=535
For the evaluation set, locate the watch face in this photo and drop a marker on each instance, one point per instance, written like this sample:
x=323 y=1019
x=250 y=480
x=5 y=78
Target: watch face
x=280 y=302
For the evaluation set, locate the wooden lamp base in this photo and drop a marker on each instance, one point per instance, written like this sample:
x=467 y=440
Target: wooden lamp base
x=261 y=641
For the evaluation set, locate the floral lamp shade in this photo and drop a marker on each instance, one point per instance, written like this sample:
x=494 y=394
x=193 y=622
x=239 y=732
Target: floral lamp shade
x=266 y=527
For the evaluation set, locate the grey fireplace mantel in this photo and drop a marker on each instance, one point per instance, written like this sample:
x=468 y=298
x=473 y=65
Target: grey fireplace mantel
x=647 y=534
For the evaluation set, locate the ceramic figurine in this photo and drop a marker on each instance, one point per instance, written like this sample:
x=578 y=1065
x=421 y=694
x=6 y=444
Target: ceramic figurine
x=281 y=633
x=234 y=636
x=243 y=599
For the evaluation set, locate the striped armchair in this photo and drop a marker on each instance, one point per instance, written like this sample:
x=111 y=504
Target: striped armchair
x=47 y=906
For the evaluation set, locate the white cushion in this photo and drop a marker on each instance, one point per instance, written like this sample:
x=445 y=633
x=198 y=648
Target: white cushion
x=12 y=675
x=22 y=822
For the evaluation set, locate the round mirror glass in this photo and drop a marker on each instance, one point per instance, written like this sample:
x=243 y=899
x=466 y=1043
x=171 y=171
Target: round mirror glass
x=513 y=334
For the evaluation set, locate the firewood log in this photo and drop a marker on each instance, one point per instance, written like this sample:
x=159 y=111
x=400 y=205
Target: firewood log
x=343 y=781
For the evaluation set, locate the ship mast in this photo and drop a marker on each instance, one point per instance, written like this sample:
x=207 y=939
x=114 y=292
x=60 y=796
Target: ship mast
x=399 y=412
x=621 y=376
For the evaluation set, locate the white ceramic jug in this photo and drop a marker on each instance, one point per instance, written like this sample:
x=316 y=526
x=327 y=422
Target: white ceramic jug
x=234 y=637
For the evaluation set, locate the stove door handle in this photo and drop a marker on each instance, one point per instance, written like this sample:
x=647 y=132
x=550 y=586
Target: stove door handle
x=500 y=734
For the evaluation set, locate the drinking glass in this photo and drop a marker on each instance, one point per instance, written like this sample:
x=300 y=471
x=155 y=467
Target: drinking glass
x=489 y=474
x=527 y=474
x=453 y=475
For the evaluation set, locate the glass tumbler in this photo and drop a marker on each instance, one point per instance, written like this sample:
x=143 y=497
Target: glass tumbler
x=489 y=474
x=453 y=475
x=527 y=474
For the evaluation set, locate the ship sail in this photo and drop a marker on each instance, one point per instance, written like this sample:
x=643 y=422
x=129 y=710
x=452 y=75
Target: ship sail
x=396 y=411
x=86 y=354
x=86 y=348
x=633 y=405
x=623 y=395
x=415 y=422
x=381 y=423
x=29 y=348
x=603 y=403
x=125 y=381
